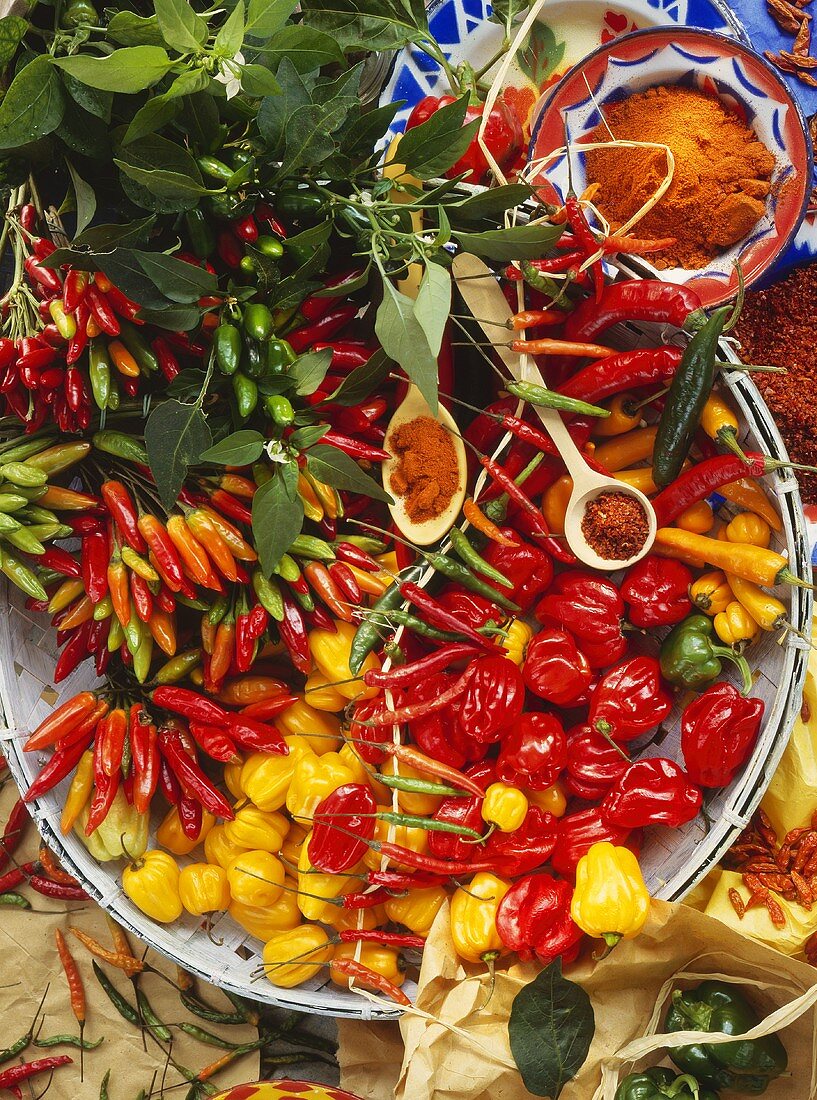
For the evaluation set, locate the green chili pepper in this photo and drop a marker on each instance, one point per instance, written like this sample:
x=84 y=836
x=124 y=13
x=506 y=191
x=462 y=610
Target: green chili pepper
x=412 y=821
x=303 y=598
x=456 y=571
x=120 y=446
x=299 y=203
x=139 y=348
x=151 y=1021
x=214 y=168
x=690 y=387
x=246 y=1008
x=120 y=1003
x=227 y=344
x=418 y=626
x=9 y=523
x=116 y=635
x=280 y=410
x=257 y=321
x=133 y=633
x=114 y=397
x=69 y=1041
x=545 y=284
x=24 y=475
x=205 y=1012
x=246 y=394
x=307 y=546
x=365 y=542
x=368 y=633
x=25 y=541
x=270 y=246
x=20 y=1045
x=199 y=233
x=56 y=459
x=280 y=355
x=178 y=667
x=103 y=1088
x=217 y=610
x=31 y=494
x=269 y=595
x=196 y=605
x=549 y=399
x=37 y=514
x=470 y=557
x=253 y=361
x=288 y=569
x=103 y=609
x=207 y=1037
x=22 y=576
x=247 y=264
x=419 y=786
x=690 y=658
x=12 y=502
x=142 y=657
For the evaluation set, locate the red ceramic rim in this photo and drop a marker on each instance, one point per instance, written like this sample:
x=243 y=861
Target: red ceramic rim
x=297 y=1090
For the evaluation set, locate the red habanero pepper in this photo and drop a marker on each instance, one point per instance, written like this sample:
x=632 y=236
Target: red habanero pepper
x=657 y=591
x=655 y=791
x=101 y=311
x=474 y=609
x=527 y=567
x=719 y=729
x=367 y=739
x=636 y=300
x=533 y=919
x=461 y=811
x=533 y=752
x=591 y=608
x=437 y=616
x=294 y=636
x=13 y=831
x=502 y=135
x=525 y=849
x=95 y=566
x=324 y=329
x=191 y=778
x=576 y=835
x=629 y=700
x=189 y=704
x=191 y=815
x=493 y=699
x=342 y=825
x=118 y=502
x=556 y=670
x=257 y=736
x=440 y=734
x=593 y=764
x=624 y=371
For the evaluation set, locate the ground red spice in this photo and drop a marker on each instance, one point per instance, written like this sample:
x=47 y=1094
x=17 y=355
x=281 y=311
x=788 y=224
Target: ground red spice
x=778 y=326
x=615 y=526
x=426 y=474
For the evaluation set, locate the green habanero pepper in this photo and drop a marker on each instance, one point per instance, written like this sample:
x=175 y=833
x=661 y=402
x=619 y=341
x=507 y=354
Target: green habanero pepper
x=199 y=233
x=280 y=410
x=246 y=394
x=257 y=321
x=280 y=354
x=227 y=343
x=81 y=13
x=270 y=246
x=659 y=1083
x=99 y=372
x=745 y=1066
x=690 y=658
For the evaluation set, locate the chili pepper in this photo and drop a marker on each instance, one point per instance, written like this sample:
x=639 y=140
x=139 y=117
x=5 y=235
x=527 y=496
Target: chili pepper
x=120 y=1003
x=121 y=507
x=651 y=792
x=706 y=477
x=556 y=670
x=436 y=615
x=636 y=300
x=735 y=626
x=656 y=591
x=411 y=675
x=69 y=1040
x=369 y=979
x=292 y=629
x=101 y=311
x=368 y=632
x=527 y=566
x=593 y=764
x=714 y=1006
x=59 y=890
x=354 y=447
x=718 y=732
x=164 y=552
x=610 y=900
x=629 y=700
x=95 y=566
x=480 y=522
x=191 y=777
x=533 y=919
x=584 y=236
x=335 y=846
x=13 y=832
x=502 y=134
x=11 y=1077
x=61 y=764
x=327 y=326
x=533 y=752
x=75 y=989
x=623 y=371
x=691 y=659
x=659 y=1083
x=591 y=608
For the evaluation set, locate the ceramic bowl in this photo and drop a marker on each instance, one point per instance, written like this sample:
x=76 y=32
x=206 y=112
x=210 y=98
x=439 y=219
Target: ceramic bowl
x=714 y=64
x=284 y=1090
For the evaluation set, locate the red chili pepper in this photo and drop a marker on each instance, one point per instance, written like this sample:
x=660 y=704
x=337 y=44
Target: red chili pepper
x=577 y=834
x=636 y=300
x=354 y=448
x=10 y=1078
x=230 y=506
x=348 y=552
x=322 y=330
x=593 y=764
x=502 y=135
x=190 y=816
x=294 y=636
x=400 y=881
x=265 y=213
x=245 y=229
x=346 y=582
x=168 y=363
x=59 y=890
x=101 y=311
x=439 y=733
x=95 y=566
x=102 y=800
x=719 y=729
x=533 y=752
x=268 y=708
x=120 y=505
x=370 y=979
x=13 y=831
x=461 y=811
x=623 y=371
x=324 y=587
x=528 y=567
x=74 y=652
x=28 y=217
x=142 y=597
x=533 y=919
x=413 y=674
x=168 y=563
x=655 y=791
x=629 y=700
x=437 y=616
x=113 y=744
x=74 y=289
x=587 y=242
x=346 y=354
x=704 y=478
x=591 y=608
x=43 y=275
x=516 y=493
x=376 y=935
x=229 y=249
x=168 y=783
x=145 y=756
x=342 y=825
x=191 y=778
x=657 y=592
x=257 y=736
x=190 y=704
x=214 y=742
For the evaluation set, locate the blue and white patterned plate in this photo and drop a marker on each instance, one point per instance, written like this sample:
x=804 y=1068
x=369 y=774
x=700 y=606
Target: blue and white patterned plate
x=567 y=31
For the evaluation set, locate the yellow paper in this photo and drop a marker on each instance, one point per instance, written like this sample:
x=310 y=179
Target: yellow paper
x=792 y=795
x=756 y=922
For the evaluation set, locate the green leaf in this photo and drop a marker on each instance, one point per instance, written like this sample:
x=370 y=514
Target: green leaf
x=84 y=197
x=316 y=240
x=129 y=29
x=150 y=117
x=12 y=29
x=363 y=380
x=551 y=1028
x=125 y=272
x=33 y=106
x=275 y=111
x=335 y=468
x=265 y=17
x=239 y=449
x=277 y=516
x=433 y=304
x=520 y=242
x=176 y=279
x=307 y=436
x=231 y=34
x=430 y=149
x=167 y=170
x=182 y=28
x=199 y=119
x=105 y=238
x=309 y=370
x=365 y=24
x=84 y=133
x=175 y=436
x=308 y=139
x=174 y=319
x=256 y=81
x=404 y=340
x=492 y=201
x=506 y=12
x=307 y=48
x=92 y=100
x=188 y=83
x=132 y=69
x=343 y=290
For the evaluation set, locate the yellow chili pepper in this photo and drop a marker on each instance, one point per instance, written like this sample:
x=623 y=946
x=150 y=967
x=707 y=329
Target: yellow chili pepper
x=552 y=799
x=554 y=504
x=767 y=611
x=406 y=837
x=746 y=493
x=291 y=850
x=717 y=416
x=473 y=917
x=323 y=695
x=294 y=956
x=218 y=849
x=340 y=919
x=327 y=496
x=256 y=878
x=698 y=517
x=79 y=792
x=260 y=829
x=265 y=779
x=411 y=802
x=516 y=640
x=625 y=450
x=122 y=833
x=318 y=890
x=331 y=654
x=313 y=779
x=505 y=807
x=640 y=478
x=390 y=565
x=264 y=921
x=417 y=910
x=319 y=730
x=620 y=419
x=122 y=359
x=610 y=900
x=348 y=754
x=377 y=957
x=171 y=835
x=309 y=498
x=753 y=563
x=152 y=884
x=232 y=777
x=203 y=888
x=750 y=528
x=710 y=593
x=735 y=626
x=67 y=592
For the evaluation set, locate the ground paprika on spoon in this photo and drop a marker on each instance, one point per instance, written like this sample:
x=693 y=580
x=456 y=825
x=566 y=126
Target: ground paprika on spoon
x=427 y=473
x=615 y=526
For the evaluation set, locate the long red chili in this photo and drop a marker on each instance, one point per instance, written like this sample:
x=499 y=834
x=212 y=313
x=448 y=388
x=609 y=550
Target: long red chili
x=417 y=710
x=375 y=935
x=13 y=832
x=294 y=636
x=189 y=704
x=61 y=764
x=400 y=880
x=635 y=300
x=423 y=862
x=623 y=371
x=587 y=242
x=363 y=900
x=407 y=676
x=437 y=615
x=11 y=1077
x=191 y=777
x=59 y=890
x=121 y=507
x=704 y=478
x=354 y=448
x=60 y=561
x=371 y=979
x=324 y=329
x=517 y=494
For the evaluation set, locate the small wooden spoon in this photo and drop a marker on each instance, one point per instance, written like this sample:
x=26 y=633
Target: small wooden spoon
x=432 y=530
x=483 y=296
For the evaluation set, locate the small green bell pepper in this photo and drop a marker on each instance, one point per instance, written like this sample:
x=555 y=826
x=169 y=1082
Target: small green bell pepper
x=690 y=658
x=660 y=1083
x=246 y=394
x=258 y=321
x=745 y=1066
x=227 y=343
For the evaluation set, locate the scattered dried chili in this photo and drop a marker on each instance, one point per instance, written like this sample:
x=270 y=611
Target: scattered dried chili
x=615 y=526
x=427 y=474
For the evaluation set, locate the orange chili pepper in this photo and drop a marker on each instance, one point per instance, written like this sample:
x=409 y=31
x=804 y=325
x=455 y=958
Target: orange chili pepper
x=52 y=869
x=76 y=990
x=65 y=595
x=369 y=583
x=251 y=689
x=322 y=584
x=122 y=359
x=162 y=625
x=749 y=495
x=237 y=485
x=92 y=328
x=208 y=635
x=222 y=655
x=194 y=557
x=205 y=530
x=480 y=522
x=79 y=612
x=239 y=547
x=119 y=589
x=66 y=500
x=117 y=959
x=561 y=347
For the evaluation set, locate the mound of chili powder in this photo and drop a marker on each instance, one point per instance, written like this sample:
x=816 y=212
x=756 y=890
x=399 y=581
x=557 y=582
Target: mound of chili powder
x=426 y=474
x=615 y=526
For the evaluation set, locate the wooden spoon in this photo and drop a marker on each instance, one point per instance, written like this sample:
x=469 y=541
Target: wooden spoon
x=432 y=530
x=483 y=296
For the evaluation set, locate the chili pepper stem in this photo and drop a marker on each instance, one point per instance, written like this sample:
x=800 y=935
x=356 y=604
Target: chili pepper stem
x=603 y=729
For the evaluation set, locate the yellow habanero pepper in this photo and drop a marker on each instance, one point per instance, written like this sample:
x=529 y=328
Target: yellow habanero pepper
x=318 y=891
x=748 y=527
x=319 y=730
x=699 y=518
x=769 y=612
x=321 y=694
x=264 y=921
x=314 y=778
x=152 y=884
x=516 y=640
x=718 y=416
x=382 y=960
x=552 y=799
x=254 y=828
x=124 y=831
x=348 y=754
x=417 y=909
x=735 y=626
x=265 y=779
x=405 y=836
x=342 y=919
x=203 y=888
x=171 y=835
x=218 y=849
x=411 y=802
x=256 y=878
x=291 y=848
x=610 y=899
x=79 y=793
x=331 y=652
x=232 y=777
x=294 y=956
x=710 y=593
x=473 y=917
x=621 y=419
x=505 y=807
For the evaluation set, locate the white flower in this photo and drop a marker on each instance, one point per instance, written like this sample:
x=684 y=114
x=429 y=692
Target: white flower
x=229 y=74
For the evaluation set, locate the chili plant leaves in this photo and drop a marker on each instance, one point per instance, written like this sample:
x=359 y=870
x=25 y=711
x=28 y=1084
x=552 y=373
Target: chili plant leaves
x=182 y=28
x=433 y=304
x=307 y=49
x=277 y=515
x=12 y=29
x=33 y=106
x=264 y=17
x=309 y=370
x=179 y=281
x=175 y=437
x=84 y=197
x=164 y=168
x=366 y=24
x=551 y=1028
x=131 y=69
x=363 y=380
x=129 y=29
x=238 y=449
x=430 y=149
x=520 y=242
x=335 y=468
x=404 y=339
